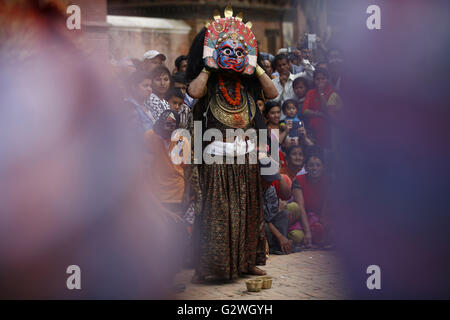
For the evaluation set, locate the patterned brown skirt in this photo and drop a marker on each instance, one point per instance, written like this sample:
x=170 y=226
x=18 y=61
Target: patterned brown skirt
x=229 y=225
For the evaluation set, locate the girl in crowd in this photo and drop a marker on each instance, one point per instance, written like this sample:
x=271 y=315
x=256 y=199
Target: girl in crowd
x=310 y=192
x=140 y=89
x=272 y=113
x=295 y=159
x=161 y=82
x=320 y=108
x=300 y=86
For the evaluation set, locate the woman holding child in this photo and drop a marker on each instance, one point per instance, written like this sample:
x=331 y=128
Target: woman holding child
x=320 y=108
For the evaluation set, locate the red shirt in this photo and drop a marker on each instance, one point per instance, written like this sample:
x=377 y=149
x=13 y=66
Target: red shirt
x=283 y=166
x=276 y=184
x=283 y=163
x=318 y=125
x=314 y=194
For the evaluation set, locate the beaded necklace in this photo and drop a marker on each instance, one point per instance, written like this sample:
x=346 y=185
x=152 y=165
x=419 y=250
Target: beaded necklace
x=237 y=92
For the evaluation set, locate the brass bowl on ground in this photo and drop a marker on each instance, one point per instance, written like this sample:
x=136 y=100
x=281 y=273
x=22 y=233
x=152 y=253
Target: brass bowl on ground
x=267 y=282
x=254 y=285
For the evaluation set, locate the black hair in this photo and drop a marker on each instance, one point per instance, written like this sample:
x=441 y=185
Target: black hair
x=271 y=64
x=314 y=152
x=269 y=105
x=157 y=71
x=292 y=56
x=158 y=127
x=322 y=71
x=137 y=77
x=174 y=92
x=291 y=148
x=179 y=60
x=195 y=56
x=280 y=57
x=300 y=79
x=287 y=102
x=179 y=77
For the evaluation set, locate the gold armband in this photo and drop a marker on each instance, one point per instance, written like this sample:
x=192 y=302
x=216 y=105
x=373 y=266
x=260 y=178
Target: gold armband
x=206 y=71
x=259 y=71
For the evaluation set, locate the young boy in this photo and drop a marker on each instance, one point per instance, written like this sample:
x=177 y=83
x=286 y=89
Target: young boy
x=179 y=81
x=175 y=97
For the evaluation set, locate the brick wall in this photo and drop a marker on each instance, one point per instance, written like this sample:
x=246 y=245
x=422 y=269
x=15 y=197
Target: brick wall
x=103 y=41
x=94 y=30
x=135 y=43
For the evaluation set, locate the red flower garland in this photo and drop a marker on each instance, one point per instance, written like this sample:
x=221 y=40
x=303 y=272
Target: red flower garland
x=237 y=92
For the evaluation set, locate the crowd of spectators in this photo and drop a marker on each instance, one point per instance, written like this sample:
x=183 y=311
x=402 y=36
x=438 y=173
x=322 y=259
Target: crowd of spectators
x=303 y=115
x=306 y=113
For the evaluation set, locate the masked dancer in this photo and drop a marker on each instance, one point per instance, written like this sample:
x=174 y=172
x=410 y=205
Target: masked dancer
x=227 y=79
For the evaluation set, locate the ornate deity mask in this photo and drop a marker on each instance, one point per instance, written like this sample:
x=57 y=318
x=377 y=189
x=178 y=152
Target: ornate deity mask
x=230 y=44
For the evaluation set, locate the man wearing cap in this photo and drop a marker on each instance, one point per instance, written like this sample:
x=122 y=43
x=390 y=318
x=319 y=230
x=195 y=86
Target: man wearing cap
x=152 y=59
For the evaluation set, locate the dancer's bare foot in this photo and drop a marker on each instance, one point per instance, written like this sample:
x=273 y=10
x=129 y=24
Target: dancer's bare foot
x=257 y=271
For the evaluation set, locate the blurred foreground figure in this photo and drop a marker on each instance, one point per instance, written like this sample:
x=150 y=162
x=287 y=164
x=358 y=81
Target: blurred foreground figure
x=71 y=191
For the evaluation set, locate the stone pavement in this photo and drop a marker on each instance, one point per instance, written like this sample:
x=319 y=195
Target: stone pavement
x=303 y=275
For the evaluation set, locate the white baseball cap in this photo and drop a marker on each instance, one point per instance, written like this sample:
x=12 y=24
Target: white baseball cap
x=153 y=54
